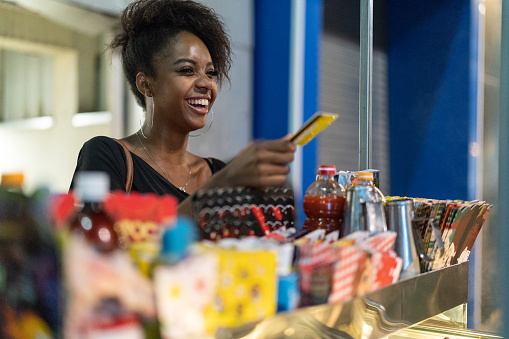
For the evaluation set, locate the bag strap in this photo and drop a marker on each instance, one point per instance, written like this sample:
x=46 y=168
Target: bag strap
x=129 y=164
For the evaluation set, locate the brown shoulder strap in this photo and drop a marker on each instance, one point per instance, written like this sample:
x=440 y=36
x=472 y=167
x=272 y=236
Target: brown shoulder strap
x=129 y=164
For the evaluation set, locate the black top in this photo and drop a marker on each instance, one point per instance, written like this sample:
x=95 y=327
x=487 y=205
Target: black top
x=106 y=155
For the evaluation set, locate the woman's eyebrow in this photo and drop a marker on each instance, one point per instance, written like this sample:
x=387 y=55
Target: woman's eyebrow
x=191 y=61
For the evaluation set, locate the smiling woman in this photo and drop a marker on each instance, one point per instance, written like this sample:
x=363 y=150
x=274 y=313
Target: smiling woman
x=175 y=54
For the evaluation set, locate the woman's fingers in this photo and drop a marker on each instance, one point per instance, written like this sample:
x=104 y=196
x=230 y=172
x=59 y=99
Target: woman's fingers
x=274 y=157
x=262 y=164
x=271 y=169
x=279 y=145
x=274 y=151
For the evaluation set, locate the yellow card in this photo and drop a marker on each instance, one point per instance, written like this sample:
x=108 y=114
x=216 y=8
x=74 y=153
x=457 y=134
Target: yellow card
x=317 y=123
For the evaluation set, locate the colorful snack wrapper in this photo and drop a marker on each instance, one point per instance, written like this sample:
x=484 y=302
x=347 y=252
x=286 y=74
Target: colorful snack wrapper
x=184 y=293
x=246 y=288
x=347 y=273
x=138 y=222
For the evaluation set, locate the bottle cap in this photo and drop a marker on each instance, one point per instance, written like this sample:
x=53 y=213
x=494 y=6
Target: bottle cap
x=327 y=169
x=365 y=176
x=92 y=186
x=12 y=179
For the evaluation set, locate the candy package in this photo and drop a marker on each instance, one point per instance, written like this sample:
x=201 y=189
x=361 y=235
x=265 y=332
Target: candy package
x=242 y=211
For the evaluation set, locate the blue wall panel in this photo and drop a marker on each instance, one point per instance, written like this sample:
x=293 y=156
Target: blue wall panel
x=429 y=97
x=272 y=67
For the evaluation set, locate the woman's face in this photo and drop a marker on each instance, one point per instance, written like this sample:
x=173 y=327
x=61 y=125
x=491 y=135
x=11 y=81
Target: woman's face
x=184 y=88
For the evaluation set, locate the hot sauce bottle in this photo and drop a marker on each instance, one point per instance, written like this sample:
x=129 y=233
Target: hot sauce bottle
x=91 y=221
x=324 y=201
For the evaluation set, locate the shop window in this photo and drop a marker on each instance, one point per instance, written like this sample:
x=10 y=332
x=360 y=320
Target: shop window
x=26 y=85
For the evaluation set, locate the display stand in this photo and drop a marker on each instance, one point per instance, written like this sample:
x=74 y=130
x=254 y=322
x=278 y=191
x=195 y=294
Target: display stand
x=378 y=314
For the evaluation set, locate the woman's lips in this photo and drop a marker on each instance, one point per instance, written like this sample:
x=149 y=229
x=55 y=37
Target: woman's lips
x=200 y=105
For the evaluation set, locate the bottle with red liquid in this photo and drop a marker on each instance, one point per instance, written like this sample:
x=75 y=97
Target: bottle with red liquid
x=91 y=221
x=324 y=202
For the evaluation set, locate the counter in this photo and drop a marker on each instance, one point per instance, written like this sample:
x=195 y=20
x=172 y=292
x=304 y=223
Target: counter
x=433 y=302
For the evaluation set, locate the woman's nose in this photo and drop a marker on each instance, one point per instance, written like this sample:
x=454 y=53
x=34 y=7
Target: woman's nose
x=204 y=81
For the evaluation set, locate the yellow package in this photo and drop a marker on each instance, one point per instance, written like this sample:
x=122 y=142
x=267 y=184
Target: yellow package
x=246 y=288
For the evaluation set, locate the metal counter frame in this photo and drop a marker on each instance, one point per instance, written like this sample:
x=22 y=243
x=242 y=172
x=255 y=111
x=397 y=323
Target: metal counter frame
x=375 y=315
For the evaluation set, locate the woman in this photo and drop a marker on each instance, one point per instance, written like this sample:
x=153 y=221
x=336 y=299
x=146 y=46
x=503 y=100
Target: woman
x=174 y=54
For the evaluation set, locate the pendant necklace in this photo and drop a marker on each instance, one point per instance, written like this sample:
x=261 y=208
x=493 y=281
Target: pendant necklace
x=182 y=188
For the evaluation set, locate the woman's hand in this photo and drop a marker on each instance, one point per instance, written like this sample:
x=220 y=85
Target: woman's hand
x=261 y=164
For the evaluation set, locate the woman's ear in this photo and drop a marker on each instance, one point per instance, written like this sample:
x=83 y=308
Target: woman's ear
x=142 y=83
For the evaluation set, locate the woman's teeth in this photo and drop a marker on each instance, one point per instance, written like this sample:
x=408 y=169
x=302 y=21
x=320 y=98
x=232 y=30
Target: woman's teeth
x=198 y=102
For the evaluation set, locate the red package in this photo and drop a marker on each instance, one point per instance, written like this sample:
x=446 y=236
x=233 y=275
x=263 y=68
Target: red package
x=348 y=273
x=386 y=268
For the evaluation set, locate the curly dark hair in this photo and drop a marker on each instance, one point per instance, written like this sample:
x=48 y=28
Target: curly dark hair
x=148 y=26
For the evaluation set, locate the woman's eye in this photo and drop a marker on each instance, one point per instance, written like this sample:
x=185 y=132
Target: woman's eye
x=212 y=74
x=186 y=70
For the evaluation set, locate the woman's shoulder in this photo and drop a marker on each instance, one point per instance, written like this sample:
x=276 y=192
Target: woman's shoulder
x=100 y=141
x=102 y=145
x=104 y=154
x=100 y=149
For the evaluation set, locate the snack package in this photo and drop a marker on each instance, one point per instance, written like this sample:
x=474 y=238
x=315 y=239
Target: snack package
x=386 y=268
x=246 y=287
x=316 y=265
x=105 y=293
x=380 y=242
x=348 y=280
x=185 y=293
x=386 y=265
x=139 y=219
x=463 y=224
x=235 y=212
x=364 y=263
x=466 y=232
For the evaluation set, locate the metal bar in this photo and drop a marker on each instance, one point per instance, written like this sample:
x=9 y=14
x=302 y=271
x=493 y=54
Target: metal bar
x=365 y=110
x=502 y=210
x=296 y=86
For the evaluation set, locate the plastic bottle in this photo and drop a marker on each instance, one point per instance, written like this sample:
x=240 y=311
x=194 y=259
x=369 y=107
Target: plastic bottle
x=324 y=201
x=367 y=178
x=107 y=316
x=12 y=182
x=357 y=195
x=91 y=221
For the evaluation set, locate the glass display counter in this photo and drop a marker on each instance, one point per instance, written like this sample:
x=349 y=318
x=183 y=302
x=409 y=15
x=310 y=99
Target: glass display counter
x=430 y=305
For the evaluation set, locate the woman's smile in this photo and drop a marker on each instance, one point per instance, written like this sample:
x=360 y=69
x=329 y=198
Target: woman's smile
x=200 y=105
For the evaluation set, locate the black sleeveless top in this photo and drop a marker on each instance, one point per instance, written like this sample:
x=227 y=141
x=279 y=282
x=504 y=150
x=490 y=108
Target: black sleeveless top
x=105 y=154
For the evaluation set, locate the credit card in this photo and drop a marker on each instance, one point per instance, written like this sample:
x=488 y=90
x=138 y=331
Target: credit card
x=314 y=125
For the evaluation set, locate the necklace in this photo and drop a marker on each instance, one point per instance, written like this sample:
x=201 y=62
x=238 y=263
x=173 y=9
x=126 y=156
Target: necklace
x=183 y=188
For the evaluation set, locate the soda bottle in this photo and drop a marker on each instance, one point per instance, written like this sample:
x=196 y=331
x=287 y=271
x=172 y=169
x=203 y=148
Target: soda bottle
x=324 y=201
x=358 y=197
x=91 y=221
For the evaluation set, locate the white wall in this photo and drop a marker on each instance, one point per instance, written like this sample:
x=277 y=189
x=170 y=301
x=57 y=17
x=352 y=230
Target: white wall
x=48 y=156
